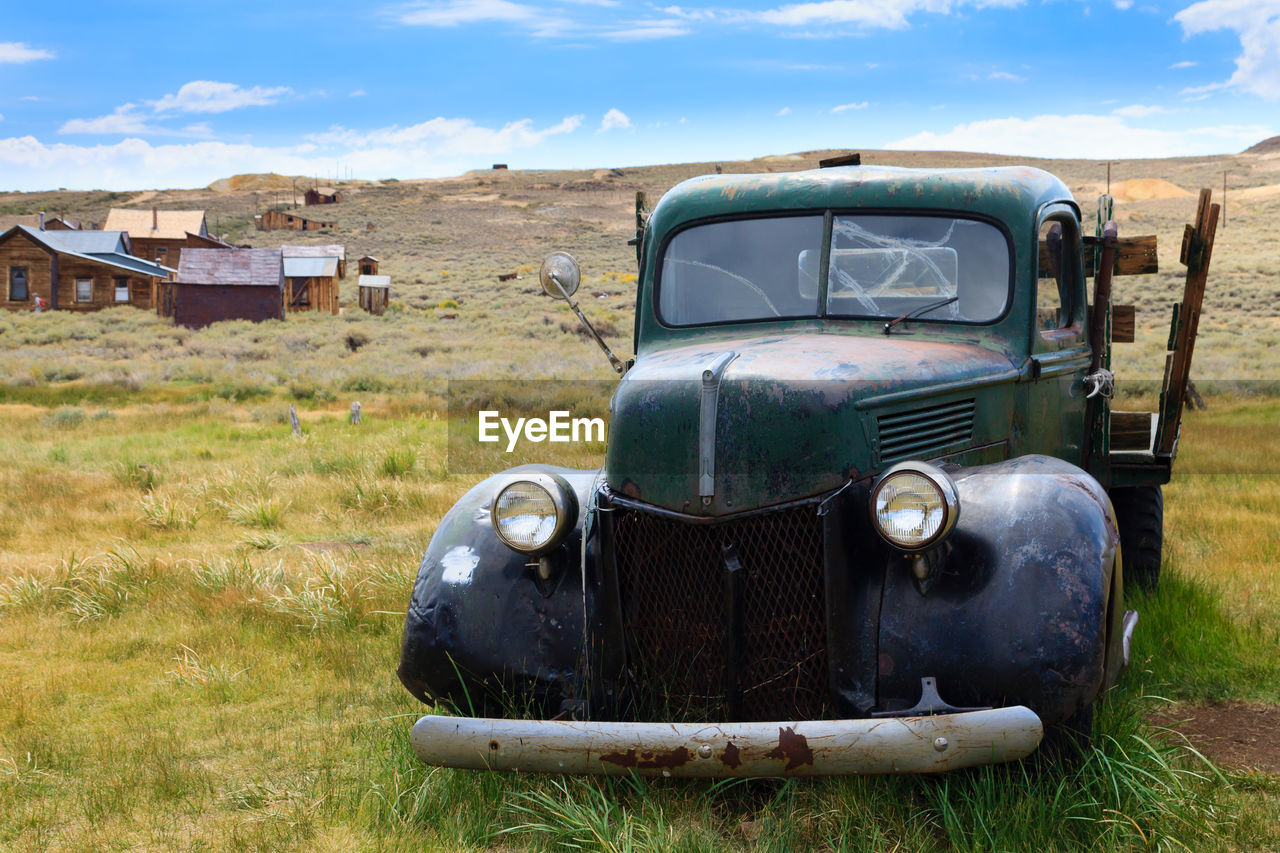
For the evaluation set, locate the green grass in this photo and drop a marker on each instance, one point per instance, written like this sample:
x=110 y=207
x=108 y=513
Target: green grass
x=200 y=619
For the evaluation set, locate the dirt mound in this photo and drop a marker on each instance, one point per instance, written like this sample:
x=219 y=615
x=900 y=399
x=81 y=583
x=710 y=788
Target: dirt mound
x=240 y=183
x=1233 y=735
x=1146 y=189
x=1266 y=146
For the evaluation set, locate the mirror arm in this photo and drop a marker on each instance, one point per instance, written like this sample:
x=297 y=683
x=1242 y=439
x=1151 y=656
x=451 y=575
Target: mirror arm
x=618 y=367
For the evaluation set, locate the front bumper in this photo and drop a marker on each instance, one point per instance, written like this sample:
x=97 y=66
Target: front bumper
x=808 y=748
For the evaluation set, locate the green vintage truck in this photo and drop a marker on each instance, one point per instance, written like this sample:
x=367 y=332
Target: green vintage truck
x=865 y=506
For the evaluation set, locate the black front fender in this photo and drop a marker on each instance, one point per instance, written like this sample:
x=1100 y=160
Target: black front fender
x=1019 y=610
x=483 y=631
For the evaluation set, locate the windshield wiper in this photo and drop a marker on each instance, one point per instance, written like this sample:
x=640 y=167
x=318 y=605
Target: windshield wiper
x=911 y=315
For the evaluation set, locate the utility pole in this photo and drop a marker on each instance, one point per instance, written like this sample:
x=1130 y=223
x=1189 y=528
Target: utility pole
x=295 y=193
x=1108 y=165
x=1224 y=198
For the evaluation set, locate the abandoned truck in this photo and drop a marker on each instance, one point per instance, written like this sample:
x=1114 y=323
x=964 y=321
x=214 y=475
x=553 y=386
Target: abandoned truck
x=865 y=507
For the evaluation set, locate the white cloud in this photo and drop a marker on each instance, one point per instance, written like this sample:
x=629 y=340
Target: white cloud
x=123 y=119
x=1257 y=22
x=860 y=105
x=445 y=136
x=453 y=13
x=17 y=52
x=1186 y=63
x=358 y=93
x=431 y=149
x=1081 y=136
x=645 y=31
x=785 y=111
x=1140 y=111
x=1005 y=75
x=890 y=14
x=615 y=119
x=208 y=96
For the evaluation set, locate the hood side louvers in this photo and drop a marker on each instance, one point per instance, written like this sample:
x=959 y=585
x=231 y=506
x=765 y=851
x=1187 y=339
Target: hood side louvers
x=925 y=432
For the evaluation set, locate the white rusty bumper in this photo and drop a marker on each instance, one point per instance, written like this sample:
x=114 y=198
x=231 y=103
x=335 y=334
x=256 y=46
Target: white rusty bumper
x=808 y=748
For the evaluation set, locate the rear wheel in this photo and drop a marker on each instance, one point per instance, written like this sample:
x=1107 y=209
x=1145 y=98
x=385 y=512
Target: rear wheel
x=1140 y=517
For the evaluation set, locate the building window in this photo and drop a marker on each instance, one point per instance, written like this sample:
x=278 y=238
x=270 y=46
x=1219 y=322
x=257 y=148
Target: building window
x=162 y=252
x=122 y=289
x=18 y=284
x=301 y=292
x=84 y=290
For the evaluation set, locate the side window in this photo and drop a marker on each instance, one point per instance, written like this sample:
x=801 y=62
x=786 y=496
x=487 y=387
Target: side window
x=1055 y=283
x=121 y=289
x=18 y=284
x=84 y=290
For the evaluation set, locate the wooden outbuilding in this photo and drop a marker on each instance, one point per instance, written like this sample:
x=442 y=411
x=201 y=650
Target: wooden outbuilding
x=375 y=293
x=279 y=220
x=368 y=265
x=225 y=284
x=160 y=235
x=74 y=270
x=321 y=195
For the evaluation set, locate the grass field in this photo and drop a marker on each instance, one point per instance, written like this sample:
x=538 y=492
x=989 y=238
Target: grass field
x=200 y=616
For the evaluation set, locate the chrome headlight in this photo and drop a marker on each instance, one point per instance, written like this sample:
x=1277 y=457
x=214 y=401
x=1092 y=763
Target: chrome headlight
x=914 y=506
x=533 y=512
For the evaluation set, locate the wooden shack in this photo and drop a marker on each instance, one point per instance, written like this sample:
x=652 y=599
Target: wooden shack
x=321 y=195
x=39 y=221
x=159 y=235
x=375 y=293
x=225 y=284
x=74 y=270
x=279 y=220
x=311 y=284
x=368 y=265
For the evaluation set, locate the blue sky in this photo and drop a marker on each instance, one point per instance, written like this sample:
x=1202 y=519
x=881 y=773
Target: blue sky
x=135 y=95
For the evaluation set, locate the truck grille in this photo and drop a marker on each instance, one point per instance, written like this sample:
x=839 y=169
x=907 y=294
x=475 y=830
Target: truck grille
x=672 y=585
x=923 y=432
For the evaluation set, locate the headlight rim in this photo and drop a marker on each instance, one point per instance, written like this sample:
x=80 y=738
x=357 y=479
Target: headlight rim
x=563 y=498
x=947 y=490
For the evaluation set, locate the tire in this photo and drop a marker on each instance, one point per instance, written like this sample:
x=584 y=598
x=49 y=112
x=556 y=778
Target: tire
x=1140 y=517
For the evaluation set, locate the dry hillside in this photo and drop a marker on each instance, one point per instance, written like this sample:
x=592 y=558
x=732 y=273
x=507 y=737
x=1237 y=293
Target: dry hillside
x=444 y=241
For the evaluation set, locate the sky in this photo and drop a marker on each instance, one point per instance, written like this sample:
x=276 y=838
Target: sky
x=142 y=95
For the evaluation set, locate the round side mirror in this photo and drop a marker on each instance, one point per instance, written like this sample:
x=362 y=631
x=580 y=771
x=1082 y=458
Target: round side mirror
x=560 y=275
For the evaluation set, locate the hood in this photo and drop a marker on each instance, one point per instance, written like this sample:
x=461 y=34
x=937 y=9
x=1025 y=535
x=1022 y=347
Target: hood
x=788 y=417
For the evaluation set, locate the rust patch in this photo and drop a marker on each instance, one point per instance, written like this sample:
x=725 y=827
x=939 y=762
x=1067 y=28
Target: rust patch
x=885 y=663
x=731 y=756
x=649 y=760
x=792 y=748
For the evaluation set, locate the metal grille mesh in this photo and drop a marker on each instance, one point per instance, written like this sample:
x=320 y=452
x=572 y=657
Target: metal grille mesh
x=672 y=584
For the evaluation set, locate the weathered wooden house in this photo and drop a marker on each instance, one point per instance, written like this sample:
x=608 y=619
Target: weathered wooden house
x=368 y=265
x=74 y=270
x=375 y=293
x=321 y=195
x=311 y=275
x=161 y=235
x=225 y=284
x=278 y=220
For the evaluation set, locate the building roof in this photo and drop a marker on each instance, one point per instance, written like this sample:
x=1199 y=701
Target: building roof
x=310 y=267
x=332 y=250
x=375 y=281
x=244 y=267
x=369 y=258
x=33 y=220
x=169 y=224
x=102 y=247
